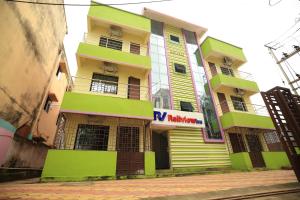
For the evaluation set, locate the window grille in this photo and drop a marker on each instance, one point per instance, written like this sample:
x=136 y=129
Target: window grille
x=135 y=48
x=238 y=103
x=104 y=84
x=227 y=71
x=237 y=142
x=92 y=137
x=110 y=43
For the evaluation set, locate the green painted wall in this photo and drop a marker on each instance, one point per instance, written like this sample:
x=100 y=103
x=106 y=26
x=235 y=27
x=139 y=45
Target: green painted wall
x=120 y=17
x=234 y=82
x=120 y=57
x=214 y=46
x=298 y=150
x=188 y=150
x=241 y=161
x=276 y=160
x=150 y=163
x=242 y=119
x=72 y=165
x=181 y=84
x=79 y=102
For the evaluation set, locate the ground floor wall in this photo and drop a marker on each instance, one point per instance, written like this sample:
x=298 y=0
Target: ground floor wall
x=189 y=151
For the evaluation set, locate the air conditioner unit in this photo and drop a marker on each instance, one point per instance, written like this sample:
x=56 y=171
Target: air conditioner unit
x=239 y=91
x=110 y=68
x=227 y=61
x=116 y=31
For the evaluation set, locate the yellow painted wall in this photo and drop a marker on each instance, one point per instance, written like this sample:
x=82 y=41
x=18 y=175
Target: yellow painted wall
x=188 y=149
x=182 y=85
x=31 y=36
x=73 y=120
x=88 y=67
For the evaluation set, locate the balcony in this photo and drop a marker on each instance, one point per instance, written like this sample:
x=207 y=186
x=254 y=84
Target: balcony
x=98 y=97
x=115 y=51
x=240 y=114
x=214 y=49
x=106 y=16
x=244 y=81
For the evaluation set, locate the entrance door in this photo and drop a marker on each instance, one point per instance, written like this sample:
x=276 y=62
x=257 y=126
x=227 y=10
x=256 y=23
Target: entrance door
x=160 y=147
x=133 y=88
x=223 y=102
x=237 y=142
x=129 y=160
x=255 y=151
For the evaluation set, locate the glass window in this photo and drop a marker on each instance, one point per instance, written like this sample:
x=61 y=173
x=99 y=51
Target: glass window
x=156 y=27
x=174 y=38
x=238 y=103
x=186 y=106
x=104 y=84
x=180 y=68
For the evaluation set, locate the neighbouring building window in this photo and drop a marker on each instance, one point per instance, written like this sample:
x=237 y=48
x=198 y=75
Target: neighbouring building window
x=159 y=73
x=180 y=68
x=128 y=139
x=104 y=84
x=238 y=103
x=92 y=137
x=273 y=141
x=58 y=73
x=227 y=71
x=186 y=106
x=135 y=48
x=47 y=104
x=237 y=142
x=110 y=43
x=212 y=128
x=174 y=38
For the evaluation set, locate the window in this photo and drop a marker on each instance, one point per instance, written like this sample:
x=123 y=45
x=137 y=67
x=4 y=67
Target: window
x=135 y=48
x=104 y=84
x=213 y=68
x=58 y=73
x=157 y=28
x=92 y=137
x=227 y=71
x=238 y=103
x=186 y=106
x=174 y=38
x=47 y=104
x=273 y=141
x=110 y=43
x=180 y=68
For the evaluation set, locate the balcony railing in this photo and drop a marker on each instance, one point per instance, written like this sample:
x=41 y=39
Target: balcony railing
x=109 y=88
x=116 y=44
x=238 y=106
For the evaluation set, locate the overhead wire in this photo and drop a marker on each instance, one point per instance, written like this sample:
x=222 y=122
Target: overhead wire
x=270 y=4
x=92 y=4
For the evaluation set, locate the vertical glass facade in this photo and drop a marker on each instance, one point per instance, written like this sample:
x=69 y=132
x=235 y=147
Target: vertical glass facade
x=160 y=81
x=203 y=93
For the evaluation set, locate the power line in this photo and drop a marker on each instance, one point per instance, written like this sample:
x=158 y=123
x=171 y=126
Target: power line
x=274 y=4
x=93 y=3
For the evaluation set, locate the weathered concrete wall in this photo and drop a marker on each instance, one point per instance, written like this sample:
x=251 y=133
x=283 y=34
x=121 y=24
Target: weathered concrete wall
x=31 y=36
x=30 y=46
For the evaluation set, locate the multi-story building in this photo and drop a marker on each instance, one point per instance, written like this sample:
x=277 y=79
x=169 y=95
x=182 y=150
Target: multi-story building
x=144 y=101
x=33 y=74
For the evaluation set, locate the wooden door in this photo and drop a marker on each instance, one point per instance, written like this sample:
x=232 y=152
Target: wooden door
x=133 y=88
x=213 y=68
x=255 y=151
x=223 y=102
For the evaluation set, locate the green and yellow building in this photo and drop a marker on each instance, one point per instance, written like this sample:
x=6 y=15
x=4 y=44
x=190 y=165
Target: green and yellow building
x=148 y=99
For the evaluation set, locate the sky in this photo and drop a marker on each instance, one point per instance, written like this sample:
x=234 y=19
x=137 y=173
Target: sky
x=249 y=24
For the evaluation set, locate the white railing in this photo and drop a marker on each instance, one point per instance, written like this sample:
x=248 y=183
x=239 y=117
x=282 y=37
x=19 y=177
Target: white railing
x=91 y=38
x=237 y=106
x=109 y=88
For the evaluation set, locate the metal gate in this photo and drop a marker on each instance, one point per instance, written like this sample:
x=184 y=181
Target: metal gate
x=255 y=151
x=284 y=108
x=129 y=160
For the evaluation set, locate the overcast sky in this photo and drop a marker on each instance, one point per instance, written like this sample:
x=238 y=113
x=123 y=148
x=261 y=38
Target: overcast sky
x=246 y=23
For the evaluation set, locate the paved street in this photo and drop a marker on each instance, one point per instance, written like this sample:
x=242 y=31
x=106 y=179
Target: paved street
x=144 y=188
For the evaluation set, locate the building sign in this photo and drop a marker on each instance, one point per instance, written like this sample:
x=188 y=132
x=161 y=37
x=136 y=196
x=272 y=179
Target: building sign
x=178 y=118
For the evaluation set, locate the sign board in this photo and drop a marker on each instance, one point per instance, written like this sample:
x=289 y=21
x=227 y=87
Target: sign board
x=177 y=118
